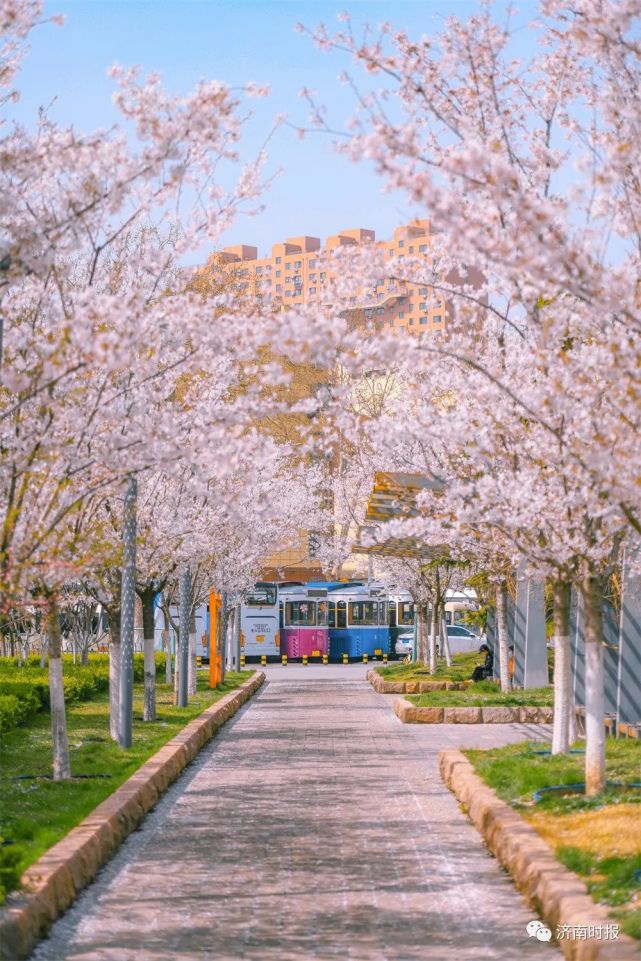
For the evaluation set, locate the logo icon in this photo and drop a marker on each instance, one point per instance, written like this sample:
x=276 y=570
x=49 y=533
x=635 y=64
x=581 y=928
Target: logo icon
x=536 y=929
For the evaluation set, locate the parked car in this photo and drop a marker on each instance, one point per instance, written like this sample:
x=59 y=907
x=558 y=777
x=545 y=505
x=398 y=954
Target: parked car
x=404 y=643
x=461 y=640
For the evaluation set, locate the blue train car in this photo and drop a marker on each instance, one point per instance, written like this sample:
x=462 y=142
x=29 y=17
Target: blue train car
x=357 y=618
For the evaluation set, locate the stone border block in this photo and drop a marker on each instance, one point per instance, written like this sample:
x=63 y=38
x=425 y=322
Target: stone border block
x=557 y=894
x=410 y=713
x=51 y=885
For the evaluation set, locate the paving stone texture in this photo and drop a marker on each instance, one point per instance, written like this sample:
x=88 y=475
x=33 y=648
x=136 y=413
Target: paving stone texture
x=314 y=826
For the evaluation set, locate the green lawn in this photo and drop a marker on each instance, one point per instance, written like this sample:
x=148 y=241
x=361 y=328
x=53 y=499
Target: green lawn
x=598 y=838
x=484 y=694
x=37 y=812
x=461 y=669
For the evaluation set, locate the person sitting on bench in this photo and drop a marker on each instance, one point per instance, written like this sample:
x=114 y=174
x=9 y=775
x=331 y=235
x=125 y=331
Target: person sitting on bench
x=486 y=669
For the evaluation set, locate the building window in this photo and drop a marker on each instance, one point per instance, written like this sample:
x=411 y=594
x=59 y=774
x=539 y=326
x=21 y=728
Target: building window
x=422 y=249
x=279 y=260
x=298 y=264
x=401 y=316
x=437 y=318
x=288 y=280
x=288 y=293
x=312 y=277
x=411 y=250
x=312 y=263
x=368 y=314
x=323 y=275
x=422 y=306
x=410 y=321
x=401 y=243
x=268 y=268
x=312 y=290
x=401 y=300
x=423 y=320
x=288 y=264
x=259 y=270
x=423 y=291
x=279 y=288
x=380 y=310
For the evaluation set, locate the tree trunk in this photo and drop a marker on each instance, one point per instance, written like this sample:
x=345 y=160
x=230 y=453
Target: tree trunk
x=84 y=655
x=421 y=646
x=433 y=623
x=61 y=764
x=563 y=704
x=501 y=625
x=446 y=643
x=167 y=646
x=592 y=591
x=114 y=670
x=192 y=653
x=149 y=706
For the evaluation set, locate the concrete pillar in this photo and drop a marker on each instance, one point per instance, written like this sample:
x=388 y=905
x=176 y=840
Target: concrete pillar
x=530 y=648
x=536 y=672
x=629 y=667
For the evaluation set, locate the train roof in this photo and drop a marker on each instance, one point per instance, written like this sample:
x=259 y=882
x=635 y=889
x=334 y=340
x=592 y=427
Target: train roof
x=336 y=585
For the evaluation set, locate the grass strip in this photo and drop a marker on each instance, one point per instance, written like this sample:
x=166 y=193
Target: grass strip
x=484 y=694
x=36 y=812
x=597 y=837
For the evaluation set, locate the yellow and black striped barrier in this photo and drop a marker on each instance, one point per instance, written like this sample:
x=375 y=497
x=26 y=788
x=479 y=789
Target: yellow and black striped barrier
x=263 y=660
x=365 y=658
x=384 y=660
x=199 y=660
x=325 y=659
x=283 y=659
x=345 y=659
x=304 y=658
x=242 y=660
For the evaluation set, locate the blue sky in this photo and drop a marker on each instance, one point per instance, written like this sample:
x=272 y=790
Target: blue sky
x=233 y=40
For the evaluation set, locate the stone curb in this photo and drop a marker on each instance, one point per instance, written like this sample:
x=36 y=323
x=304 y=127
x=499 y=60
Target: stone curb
x=558 y=895
x=55 y=880
x=411 y=687
x=410 y=713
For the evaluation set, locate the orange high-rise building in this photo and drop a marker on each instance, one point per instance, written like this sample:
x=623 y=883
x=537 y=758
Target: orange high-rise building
x=295 y=274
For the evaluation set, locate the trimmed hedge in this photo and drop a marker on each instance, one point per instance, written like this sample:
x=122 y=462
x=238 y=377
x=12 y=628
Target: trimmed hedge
x=24 y=691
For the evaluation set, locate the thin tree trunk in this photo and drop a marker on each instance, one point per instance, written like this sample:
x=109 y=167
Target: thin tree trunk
x=446 y=642
x=149 y=706
x=114 y=670
x=501 y=625
x=167 y=644
x=43 y=653
x=421 y=646
x=563 y=704
x=433 y=623
x=592 y=591
x=192 y=653
x=61 y=764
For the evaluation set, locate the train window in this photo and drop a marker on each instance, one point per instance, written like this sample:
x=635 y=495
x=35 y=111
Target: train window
x=363 y=613
x=322 y=614
x=300 y=614
x=331 y=613
x=261 y=597
x=382 y=612
x=341 y=614
x=405 y=615
x=392 y=613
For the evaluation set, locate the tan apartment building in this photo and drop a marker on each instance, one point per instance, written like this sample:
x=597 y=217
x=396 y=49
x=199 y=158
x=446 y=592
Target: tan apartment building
x=297 y=273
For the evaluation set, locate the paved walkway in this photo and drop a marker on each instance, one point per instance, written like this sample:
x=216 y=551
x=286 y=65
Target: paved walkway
x=314 y=825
